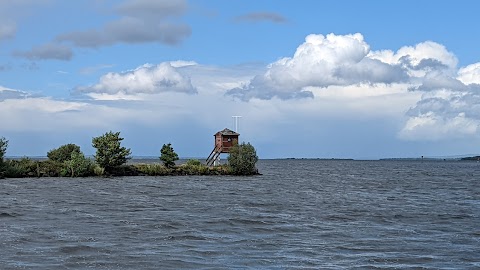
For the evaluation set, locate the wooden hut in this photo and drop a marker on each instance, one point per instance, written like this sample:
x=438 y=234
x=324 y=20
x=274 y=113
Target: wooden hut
x=224 y=140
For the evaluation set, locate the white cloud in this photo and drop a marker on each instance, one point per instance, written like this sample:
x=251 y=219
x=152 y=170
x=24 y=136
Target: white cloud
x=321 y=61
x=448 y=108
x=182 y=63
x=47 y=114
x=434 y=126
x=8 y=93
x=437 y=102
x=470 y=74
x=146 y=79
x=419 y=59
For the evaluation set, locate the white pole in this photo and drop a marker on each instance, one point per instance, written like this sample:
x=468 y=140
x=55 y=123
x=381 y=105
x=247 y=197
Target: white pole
x=235 y=117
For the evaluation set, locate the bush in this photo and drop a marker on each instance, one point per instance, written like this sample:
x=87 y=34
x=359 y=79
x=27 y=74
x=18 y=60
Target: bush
x=242 y=159
x=24 y=167
x=152 y=169
x=97 y=170
x=193 y=162
x=48 y=168
x=63 y=153
x=77 y=166
x=110 y=154
x=193 y=167
x=168 y=155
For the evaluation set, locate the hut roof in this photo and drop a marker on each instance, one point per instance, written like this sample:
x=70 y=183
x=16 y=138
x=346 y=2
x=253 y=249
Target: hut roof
x=227 y=131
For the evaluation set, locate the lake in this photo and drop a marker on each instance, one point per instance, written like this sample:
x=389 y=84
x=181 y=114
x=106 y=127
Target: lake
x=300 y=214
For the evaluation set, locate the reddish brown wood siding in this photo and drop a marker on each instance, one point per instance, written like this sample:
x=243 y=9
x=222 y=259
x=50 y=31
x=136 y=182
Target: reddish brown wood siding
x=225 y=142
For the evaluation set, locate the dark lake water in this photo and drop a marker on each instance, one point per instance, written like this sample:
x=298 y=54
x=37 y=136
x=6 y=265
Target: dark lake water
x=300 y=214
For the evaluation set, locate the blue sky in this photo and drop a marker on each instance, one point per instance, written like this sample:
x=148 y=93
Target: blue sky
x=345 y=79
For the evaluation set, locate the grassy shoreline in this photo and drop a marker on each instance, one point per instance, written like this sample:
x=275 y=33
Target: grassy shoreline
x=26 y=167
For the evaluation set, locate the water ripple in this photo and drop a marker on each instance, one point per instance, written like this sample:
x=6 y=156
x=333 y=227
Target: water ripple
x=300 y=214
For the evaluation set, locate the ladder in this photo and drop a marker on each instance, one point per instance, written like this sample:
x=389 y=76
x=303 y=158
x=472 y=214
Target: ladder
x=213 y=155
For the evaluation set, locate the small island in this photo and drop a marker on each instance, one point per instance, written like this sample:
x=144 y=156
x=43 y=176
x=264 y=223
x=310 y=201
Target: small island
x=111 y=160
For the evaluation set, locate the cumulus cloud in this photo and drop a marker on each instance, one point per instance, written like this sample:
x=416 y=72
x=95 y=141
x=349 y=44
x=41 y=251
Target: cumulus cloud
x=47 y=52
x=447 y=99
x=434 y=126
x=140 y=21
x=321 y=61
x=343 y=60
x=420 y=59
x=449 y=107
x=261 y=17
x=146 y=79
x=470 y=74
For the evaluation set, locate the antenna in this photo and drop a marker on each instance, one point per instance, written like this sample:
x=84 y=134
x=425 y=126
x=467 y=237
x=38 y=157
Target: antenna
x=236 y=122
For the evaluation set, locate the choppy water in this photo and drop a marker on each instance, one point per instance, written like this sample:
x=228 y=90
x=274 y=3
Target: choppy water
x=301 y=214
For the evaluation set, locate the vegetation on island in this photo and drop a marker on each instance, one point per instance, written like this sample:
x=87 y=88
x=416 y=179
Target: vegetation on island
x=242 y=159
x=3 y=150
x=110 y=154
x=63 y=153
x=168 y=156
x=111 y=160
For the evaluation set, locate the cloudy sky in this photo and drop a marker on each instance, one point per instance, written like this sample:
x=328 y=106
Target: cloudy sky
x=328 y=79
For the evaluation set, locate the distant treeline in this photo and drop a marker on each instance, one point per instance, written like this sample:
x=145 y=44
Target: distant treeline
x=477 y=158
x=110 y=160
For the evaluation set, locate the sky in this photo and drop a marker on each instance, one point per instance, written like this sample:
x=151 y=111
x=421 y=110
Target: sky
x=311 y=79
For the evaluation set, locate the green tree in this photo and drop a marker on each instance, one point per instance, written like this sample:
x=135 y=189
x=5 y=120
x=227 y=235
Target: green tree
x=3 y=150
x=63 y=153
x=110 y=154
x=242 y=159
x=77 y=166
x=168 y=155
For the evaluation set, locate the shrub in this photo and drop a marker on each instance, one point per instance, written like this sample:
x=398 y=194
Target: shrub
x=152 y=169
x=193 y=162
x=242 y=159
x=168 y=155
x=63 y=153
x=193 y=167
x=24 y=167
x=110 y=153
x=97 y=170
x=77 y=166
x=48 y=168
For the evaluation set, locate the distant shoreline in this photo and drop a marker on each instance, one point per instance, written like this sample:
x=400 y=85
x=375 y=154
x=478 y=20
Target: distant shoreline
x=141 y=159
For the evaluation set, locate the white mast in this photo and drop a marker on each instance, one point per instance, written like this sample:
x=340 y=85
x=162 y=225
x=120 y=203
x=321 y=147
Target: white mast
x=235 y=117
